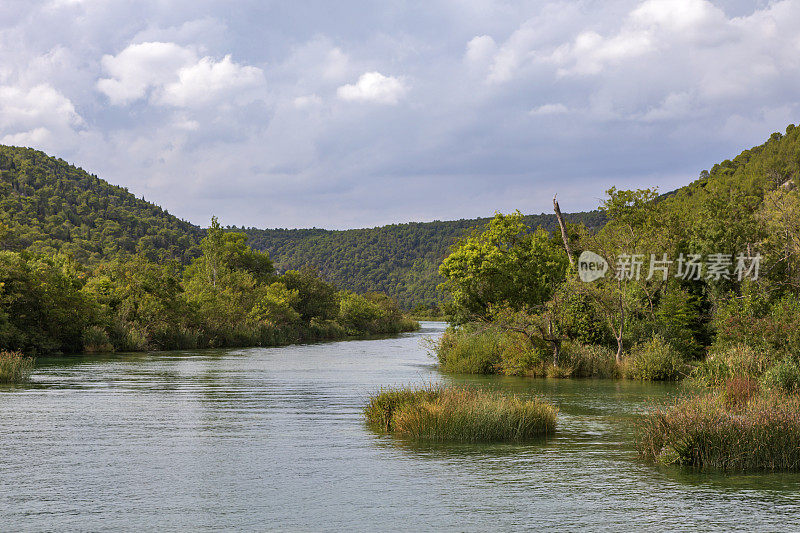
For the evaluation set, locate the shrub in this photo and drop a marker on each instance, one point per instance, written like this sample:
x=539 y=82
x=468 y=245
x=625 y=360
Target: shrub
x=654 y=360
x=586 y=361
x=738 y=360
x=15 y=367
x=460 y=414
x=382 y=406
x=783 y=376
x=467 y=350
x=762 y=434
x=95 y=339
x=518 y=357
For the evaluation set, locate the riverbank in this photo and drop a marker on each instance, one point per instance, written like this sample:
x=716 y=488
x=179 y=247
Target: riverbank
x=476 y=349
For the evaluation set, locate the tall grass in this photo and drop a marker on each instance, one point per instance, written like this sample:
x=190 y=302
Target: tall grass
x=735 y=361
x=459 y=414
x=467 y=350
x=584 y=361
x=15 y=367
x=655 y=360
x=737 y=430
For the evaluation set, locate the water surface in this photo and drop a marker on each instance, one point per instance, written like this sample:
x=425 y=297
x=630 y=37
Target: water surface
x=261 y=439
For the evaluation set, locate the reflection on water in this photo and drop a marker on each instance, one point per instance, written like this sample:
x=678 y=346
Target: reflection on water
x=273 y=438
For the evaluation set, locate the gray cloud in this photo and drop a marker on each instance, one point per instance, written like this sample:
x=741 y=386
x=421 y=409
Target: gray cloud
x=349 y=114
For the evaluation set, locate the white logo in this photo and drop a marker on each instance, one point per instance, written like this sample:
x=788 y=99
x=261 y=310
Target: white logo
x=591 y=266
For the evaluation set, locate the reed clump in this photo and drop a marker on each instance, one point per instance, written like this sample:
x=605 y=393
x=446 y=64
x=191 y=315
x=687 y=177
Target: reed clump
x=459 y=414
x=733 y=429
x=15 y=367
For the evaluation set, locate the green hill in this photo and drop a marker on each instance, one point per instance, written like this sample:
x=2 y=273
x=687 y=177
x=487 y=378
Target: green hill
x=52 y=206
x=401 y=260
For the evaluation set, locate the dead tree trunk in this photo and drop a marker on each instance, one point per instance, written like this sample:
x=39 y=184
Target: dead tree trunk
x=561 y=223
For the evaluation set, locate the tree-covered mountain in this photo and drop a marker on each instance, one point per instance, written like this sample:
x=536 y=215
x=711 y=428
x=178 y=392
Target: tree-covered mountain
x=401 y=260
x=52 y=206
x=49 y=206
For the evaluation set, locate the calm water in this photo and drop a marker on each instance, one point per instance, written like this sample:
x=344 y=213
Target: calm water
x=260 y=439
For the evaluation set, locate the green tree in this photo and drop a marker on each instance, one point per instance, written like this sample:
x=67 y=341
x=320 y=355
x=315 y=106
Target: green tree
x=505 y=264
x=316 y=298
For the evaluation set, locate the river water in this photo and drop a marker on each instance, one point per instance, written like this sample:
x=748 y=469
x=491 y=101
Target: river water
x=273 y=439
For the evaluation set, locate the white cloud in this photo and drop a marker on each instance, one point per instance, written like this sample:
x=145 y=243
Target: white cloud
x=374 y=87
x=480 y=49
x=633 y=85
x=173 y=75
x=37 y=116
x=307 y=101
x=139 y=67
x=336 y=64
x=549 y=109
x=208 y=81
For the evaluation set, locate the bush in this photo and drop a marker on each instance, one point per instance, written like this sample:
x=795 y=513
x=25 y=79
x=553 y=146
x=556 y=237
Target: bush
x=15 y=367
x=735 y=361
x=654 y=360
x=467 y=350
x=382 y=406
x=586 y=361
x=460 y=414
x=783 y=376
x=702 y=432
x=95 y=340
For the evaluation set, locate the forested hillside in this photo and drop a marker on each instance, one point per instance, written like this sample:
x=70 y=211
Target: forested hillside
x=52 y=206
x=401 y=260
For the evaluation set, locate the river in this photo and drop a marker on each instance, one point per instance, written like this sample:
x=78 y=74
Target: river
x=273 y=439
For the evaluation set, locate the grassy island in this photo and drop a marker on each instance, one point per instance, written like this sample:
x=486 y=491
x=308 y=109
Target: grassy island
x=459 y=414
x=14 y=367
x=738 y=429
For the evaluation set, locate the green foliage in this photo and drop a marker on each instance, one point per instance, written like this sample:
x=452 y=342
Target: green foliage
x=503 y=265
x=678 y=318
x=373 y=312
x=95 y=339
x=316 y=298
x=468 y=350
x=783 y=376
x=400 y=260
x=460 y=414
x=655 y=360
x=15 y=367
x=276 y=305
x=42 y=307
x=578 y=360
x=734 y=361
x=49 y=206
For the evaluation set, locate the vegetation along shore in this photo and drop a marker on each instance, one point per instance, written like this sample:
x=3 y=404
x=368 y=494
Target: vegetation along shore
x=701 y=283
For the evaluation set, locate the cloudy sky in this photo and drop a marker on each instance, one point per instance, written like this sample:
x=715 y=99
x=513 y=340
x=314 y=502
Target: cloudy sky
x=345 y=114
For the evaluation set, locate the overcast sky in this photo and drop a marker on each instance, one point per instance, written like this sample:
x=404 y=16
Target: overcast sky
x=343 y=114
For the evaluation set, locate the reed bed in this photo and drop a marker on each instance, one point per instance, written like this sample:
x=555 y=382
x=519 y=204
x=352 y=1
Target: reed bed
x=15 y=367
x=459 y=414
x=734 y=430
